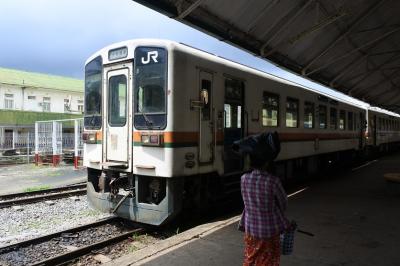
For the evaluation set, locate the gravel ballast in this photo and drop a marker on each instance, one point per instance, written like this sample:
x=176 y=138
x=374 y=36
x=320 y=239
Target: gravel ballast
x=63 y=244
x=38 y=219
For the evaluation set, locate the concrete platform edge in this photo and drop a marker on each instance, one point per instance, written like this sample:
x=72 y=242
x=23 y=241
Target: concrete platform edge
x=151 y=252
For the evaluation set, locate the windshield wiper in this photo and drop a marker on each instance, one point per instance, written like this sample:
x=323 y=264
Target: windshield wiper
x=92 y=121
x=149 y=123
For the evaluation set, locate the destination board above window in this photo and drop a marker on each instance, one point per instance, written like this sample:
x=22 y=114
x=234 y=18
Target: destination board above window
x=118 y=53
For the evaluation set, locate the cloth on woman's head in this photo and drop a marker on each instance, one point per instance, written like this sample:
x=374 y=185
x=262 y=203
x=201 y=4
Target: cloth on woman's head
x=261 y=148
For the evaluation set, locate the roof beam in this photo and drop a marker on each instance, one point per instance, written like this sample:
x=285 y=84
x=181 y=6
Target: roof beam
x=365 y=74
x=345 y=71
x=283 y=27
x=380 y=83
x=336 y=59
x=391 y=96
x=363 y=16
x=385 y=52
x=276 y=22
x=189 y=10
x=261 y=15
x=305 y=33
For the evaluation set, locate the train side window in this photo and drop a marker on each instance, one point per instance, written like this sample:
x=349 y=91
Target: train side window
x=333 y=118
x=233 y=116
x=342 y=120
x=350 y=121
x=239 y=116
x=322 y=117
x=117 y=100
x=205 y=97
x=227 y=109
x=309 y=115
x=292 y=112
x=270 y=110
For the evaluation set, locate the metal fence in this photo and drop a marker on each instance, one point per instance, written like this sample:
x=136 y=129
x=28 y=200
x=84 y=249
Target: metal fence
x=13 y=141
x=16 y=147
x=51 y=142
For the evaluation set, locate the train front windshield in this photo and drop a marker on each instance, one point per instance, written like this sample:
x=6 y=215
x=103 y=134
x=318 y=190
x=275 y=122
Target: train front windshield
x=93 y=73
x=150 y=88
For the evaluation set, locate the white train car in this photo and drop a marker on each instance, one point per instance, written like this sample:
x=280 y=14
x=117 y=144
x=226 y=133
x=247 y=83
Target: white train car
x=383 y=131
x=161 y=116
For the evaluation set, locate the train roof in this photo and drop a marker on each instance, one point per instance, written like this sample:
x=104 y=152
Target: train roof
x=212 y=57
x=383 y=111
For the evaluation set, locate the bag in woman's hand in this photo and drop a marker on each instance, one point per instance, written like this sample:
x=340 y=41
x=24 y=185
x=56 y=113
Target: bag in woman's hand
x=287 y=239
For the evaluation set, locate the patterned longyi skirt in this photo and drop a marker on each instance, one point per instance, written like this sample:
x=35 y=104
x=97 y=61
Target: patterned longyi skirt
x=261 y=252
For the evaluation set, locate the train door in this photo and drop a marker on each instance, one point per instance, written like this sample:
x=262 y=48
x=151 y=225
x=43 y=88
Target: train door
x=206 y=127
x=233 y=125
x=116 y=119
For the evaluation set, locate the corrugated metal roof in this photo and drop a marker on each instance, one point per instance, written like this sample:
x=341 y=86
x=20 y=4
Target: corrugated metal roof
x=350 y=46
x=39 y=80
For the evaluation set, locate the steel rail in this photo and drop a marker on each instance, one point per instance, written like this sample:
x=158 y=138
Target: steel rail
x=74 y=254
x=38 y=192
x=70 y=256
x=41 y=239
x=34 y=199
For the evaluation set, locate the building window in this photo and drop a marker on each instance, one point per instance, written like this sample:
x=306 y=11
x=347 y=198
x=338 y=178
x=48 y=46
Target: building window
x=270 y=111
x=8 y=101
x=46 y=104
x=292 y=112
x=342 y=120
x=350 y=121
x=67 y=106
x=322 y=117
x=31 y=97
x=308 y=115
x=80 y=105
x=333 y=118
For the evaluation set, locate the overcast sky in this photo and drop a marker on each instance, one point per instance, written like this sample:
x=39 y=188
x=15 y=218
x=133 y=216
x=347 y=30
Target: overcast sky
x=57 y=36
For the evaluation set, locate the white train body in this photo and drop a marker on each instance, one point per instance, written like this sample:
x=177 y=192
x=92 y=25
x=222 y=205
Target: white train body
x=383 y=129
x=159 y=114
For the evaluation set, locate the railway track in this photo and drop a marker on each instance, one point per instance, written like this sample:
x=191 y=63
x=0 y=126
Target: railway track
x=68 y=245
x=42 y=195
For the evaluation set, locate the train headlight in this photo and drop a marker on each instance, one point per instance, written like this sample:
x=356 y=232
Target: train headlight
x=150 y=140
x=89 y=138
x=145 y=139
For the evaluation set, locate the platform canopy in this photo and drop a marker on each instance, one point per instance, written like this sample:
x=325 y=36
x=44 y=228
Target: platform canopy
x=351 y=46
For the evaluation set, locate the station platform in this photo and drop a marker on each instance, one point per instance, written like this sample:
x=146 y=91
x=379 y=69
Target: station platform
x=354 y=217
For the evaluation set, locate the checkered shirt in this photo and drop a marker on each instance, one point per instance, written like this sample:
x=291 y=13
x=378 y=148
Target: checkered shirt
x=265 y=201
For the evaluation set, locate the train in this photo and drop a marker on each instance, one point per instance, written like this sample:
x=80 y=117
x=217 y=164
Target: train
x=160 y=119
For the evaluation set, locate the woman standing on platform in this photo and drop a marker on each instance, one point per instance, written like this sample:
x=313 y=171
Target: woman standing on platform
x=264 y=200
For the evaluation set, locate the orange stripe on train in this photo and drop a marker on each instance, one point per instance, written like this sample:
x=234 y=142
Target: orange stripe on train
x=176 y=136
